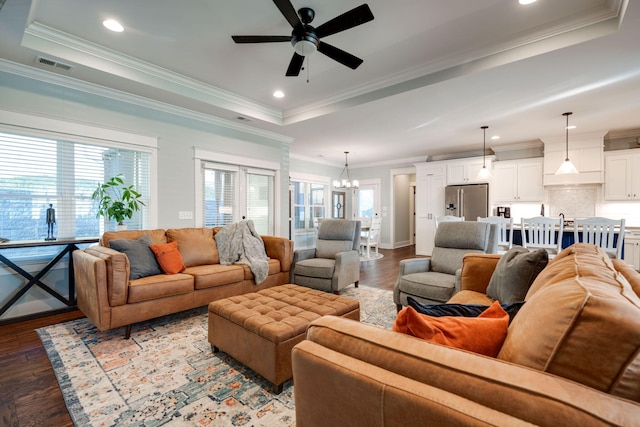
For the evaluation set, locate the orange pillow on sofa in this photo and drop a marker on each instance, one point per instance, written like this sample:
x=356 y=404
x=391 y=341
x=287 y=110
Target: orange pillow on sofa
x=483 y=334
x=168 y=257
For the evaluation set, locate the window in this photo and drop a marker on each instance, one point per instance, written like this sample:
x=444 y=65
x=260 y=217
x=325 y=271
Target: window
x=232 y=193
x=36 y=173
x=309 y=199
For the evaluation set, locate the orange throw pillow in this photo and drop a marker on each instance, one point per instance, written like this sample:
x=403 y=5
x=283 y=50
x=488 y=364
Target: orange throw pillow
x=483 y=334
x=168 y=257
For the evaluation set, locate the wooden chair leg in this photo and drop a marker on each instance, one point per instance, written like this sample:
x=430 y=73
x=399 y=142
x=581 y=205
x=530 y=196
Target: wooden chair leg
x=277 y=389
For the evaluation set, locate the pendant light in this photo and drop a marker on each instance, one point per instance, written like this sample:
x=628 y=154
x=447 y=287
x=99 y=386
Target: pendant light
x=567 y=166
x=341 y=183
x=484 y=173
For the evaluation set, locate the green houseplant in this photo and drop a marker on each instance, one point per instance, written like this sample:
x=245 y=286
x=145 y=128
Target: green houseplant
x=117 y=200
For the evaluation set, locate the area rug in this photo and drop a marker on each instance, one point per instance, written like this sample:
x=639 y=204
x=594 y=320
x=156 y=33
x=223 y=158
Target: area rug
x=167 y=375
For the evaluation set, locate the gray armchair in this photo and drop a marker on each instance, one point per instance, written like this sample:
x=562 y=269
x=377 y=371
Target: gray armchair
x=434 y=280
x=335 y=261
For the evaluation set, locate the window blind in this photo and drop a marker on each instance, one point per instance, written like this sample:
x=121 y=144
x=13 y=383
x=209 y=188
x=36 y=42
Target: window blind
x=38 y=173
x=259 y=200
x=232 y=193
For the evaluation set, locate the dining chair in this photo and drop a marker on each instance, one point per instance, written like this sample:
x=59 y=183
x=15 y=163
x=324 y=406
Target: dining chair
x=504 y=229
x=371 y=237
x=542 y=232
x=447 y=218
x=601 y=232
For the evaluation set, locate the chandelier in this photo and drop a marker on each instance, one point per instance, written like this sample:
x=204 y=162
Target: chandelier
x=345 y=183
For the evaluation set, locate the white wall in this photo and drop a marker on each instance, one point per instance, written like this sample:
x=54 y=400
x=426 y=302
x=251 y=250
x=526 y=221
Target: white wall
x=178 y=135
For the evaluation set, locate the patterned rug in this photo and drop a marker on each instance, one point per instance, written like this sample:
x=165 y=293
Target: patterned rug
x=167 y=375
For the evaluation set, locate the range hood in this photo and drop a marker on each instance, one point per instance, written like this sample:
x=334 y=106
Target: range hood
x=586 y=151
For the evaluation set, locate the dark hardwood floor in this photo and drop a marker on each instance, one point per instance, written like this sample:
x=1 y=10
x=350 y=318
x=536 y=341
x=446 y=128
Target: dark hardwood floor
x=29 y=392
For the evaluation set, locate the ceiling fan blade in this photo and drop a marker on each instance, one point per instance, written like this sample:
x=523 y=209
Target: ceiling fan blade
x=289 y=12
x=350 y=19
x=295 y=65
x=340 y=55
x=260 y=39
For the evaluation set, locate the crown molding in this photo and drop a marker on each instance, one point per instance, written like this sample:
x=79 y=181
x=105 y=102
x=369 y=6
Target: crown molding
x=598 y=23
x=622 y=133
x=101 y=91
x=43 y=38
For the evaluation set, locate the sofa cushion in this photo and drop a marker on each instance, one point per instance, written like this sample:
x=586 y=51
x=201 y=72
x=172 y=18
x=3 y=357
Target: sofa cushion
x=196 y=245
x=483 y=334
x=464 y=310
x=142 y=261
x=209 y=276
x=586 y=322
x=168 y=257
x=515 y=272
x=158 y=236
x=159 y=286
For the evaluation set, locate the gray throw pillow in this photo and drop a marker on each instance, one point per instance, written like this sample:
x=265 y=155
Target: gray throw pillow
x=141 y=258
x=514 y=274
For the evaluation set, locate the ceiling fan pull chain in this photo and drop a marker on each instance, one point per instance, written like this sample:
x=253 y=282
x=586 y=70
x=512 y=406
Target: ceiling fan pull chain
x=307 y=69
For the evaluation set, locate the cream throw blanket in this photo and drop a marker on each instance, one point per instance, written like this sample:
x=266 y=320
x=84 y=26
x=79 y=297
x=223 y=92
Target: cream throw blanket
x=239 y=243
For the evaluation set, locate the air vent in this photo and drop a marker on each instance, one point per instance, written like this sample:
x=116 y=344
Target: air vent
x=53 y=63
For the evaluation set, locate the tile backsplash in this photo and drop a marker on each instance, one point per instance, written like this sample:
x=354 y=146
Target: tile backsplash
x=578 y=201
x=573 y=202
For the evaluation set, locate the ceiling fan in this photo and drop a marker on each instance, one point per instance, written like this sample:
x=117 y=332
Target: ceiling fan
x=306 y=39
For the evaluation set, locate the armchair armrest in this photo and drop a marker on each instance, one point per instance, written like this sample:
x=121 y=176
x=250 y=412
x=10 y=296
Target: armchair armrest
x=413 y=265
x=281 y=249
x=347 y=269
x=476 y=271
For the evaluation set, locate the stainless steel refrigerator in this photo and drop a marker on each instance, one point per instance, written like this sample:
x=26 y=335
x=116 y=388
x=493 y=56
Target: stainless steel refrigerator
x=469 y=201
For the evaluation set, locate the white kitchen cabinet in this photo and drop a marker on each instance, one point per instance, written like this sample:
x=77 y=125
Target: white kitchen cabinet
x=517 y=181
x=585 y=152
x=632 y=250
x=622 y=175
x=430 y=184
x=465 y=171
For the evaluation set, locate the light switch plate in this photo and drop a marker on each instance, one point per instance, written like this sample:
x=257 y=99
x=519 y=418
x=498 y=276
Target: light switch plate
x=185 y=215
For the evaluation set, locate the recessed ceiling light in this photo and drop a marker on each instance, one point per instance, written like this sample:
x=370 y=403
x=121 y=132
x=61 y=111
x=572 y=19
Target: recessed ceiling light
x=278 y=94
x=527 y=1
x=571 y=127
x=495 y=137
x=113 y=25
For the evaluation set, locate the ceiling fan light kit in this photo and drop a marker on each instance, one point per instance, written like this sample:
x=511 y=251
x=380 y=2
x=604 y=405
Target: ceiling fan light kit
x=305 y=39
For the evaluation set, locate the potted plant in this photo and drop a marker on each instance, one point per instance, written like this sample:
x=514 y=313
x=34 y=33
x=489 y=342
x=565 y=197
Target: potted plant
x=117 y=200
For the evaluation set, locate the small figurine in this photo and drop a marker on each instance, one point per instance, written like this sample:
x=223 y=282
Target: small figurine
x=51 y=220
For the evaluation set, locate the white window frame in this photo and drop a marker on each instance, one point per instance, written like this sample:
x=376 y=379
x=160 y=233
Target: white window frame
x=231 y=161
x=60 y=129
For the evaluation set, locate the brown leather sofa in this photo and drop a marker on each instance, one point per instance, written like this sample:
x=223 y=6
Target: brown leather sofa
x=110 y=299
x=571 y=357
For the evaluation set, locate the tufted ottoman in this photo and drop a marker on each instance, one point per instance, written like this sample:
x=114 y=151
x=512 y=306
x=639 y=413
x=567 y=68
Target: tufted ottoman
x=260 y=329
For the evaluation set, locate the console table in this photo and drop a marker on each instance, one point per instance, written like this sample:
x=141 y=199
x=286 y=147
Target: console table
x=66 y=247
